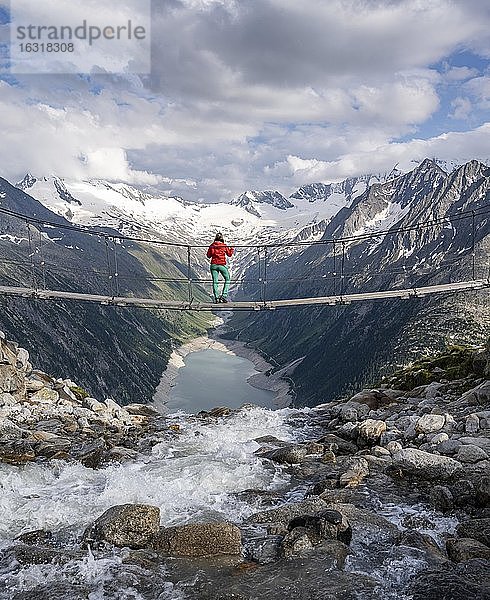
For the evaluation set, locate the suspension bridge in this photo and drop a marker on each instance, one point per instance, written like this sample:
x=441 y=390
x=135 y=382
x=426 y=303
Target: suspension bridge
x=34 y=269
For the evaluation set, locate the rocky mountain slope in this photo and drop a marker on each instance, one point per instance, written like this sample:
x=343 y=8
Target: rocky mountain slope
x=344 y=346
x=111 y=351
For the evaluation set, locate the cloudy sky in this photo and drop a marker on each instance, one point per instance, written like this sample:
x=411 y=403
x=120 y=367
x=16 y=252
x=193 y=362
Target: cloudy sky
x=260 y=94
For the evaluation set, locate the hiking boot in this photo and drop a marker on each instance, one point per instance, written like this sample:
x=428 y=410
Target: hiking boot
x=217 y=300
x=223 y=299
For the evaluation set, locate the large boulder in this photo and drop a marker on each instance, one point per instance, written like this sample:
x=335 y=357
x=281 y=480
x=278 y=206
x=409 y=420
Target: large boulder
x=373 y=398
x=478 y=529
x=369 y=432
x=426 y=465
x=326 y=524
x=284 y=514
x=479 y=395
x=452 y=581
x=430 y=423
x=470 y=454
x=291 y=454
x=461 y=549
x=199 y=539
x=131 y=525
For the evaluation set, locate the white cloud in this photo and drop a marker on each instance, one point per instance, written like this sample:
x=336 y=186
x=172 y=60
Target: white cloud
x=457 y=74
x=238 y=87
x=462 y=108
x=462 y=146
x=479 y=88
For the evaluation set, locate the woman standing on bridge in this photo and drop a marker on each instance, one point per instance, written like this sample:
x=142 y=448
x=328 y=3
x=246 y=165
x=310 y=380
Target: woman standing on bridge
x=217 y=252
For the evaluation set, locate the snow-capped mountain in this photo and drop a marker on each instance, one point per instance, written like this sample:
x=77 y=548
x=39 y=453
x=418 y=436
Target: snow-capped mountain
x=347 y=346
x=252 y=219
x=248 y=199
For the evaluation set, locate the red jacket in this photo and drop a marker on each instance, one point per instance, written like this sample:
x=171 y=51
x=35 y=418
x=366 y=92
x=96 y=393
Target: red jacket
x=218 y=251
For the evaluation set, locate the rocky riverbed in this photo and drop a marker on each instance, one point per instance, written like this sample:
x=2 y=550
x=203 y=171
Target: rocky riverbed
x=383 y=495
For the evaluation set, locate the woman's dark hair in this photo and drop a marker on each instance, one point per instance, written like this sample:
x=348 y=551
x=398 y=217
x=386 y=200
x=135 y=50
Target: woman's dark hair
x=219 y=237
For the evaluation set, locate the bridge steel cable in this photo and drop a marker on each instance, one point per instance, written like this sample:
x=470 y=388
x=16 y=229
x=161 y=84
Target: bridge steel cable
x=264 y=253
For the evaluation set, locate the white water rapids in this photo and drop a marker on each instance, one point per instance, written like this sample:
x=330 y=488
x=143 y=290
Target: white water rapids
x=193 y=479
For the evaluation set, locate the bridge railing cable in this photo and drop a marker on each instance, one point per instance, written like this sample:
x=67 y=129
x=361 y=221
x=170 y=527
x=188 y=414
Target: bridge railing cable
x=337 y=274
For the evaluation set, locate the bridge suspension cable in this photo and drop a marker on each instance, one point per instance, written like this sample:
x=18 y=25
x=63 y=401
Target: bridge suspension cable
x=39 y=273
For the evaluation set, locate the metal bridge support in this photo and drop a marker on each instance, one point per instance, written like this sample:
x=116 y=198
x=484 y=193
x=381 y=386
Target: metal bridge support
x=342 y=270
x=189 y=274
x=31 y=256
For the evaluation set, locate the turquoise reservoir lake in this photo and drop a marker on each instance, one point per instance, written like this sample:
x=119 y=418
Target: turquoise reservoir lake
x=212 y=378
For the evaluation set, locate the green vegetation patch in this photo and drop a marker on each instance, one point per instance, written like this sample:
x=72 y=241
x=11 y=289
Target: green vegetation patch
x=455 y=362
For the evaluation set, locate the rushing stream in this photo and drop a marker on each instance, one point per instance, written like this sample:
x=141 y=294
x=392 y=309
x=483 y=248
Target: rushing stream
x=204 y=474
x=236 y=466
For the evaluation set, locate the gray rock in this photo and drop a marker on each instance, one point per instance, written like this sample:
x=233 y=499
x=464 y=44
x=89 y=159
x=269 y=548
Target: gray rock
x=372 y=398
x=348 y=430
x=291 y=454
x=421 y=541
x=10 y=430
x=478 y=395
x=461 y=549
x=430 y=423
x=449 y=447
x=441 y=498
x=478 y=529
x=341 y=446
x=481 y=442
x=119 y=454
x=45 y=396
x=16 y=452
x=433 y=390
x=472 y=424
x=284 y=514
x=326 y=524
x=426 y=465
x=357 y=470
x=132 y=525
x=143 y=410
x=381 y=452
x=452 y=581
x=367 y=526
x=199 y=539
x=348 y=413
x=34 y=384
x=470 y=454
x=296 y=542
x=90 y=453
x=483 y=492
x=369 y=431
x=264 y=549
x=53 y=446
x=438 y=438
x=393 y=447
x=7 y=399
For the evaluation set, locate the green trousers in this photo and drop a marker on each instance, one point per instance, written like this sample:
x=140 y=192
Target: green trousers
x=215 y=271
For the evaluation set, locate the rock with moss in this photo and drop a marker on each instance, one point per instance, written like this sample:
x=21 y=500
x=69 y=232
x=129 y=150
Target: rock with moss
x=456 y=362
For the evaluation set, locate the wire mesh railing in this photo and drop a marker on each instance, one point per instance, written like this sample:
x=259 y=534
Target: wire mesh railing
x=42 y=254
